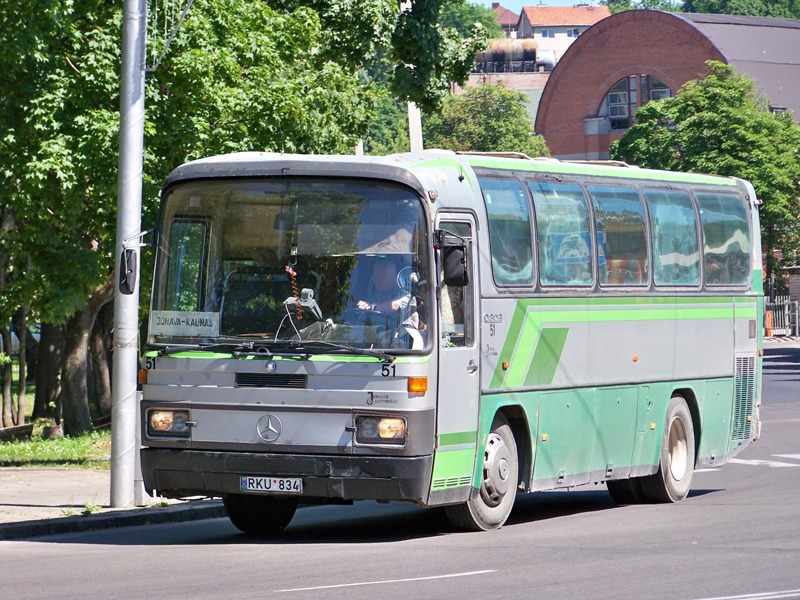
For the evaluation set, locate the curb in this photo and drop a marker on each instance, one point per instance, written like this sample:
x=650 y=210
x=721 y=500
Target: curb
x=193 y=511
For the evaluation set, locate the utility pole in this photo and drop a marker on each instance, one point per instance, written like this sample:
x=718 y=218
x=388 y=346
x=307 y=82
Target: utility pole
x=124 y=404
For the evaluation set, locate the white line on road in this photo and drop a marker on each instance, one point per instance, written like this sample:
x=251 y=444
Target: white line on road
x=343 y=585
x=768 y=463
x=792 y=456
x=760 y=596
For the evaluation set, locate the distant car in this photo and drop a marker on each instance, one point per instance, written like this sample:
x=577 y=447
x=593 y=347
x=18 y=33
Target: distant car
x=35 y=329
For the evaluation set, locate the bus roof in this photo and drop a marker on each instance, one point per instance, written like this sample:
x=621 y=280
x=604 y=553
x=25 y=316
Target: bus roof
x=401 y=167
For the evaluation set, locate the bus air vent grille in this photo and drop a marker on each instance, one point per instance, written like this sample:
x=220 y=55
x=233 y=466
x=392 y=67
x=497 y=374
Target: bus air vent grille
x=271 y=380
x=744 y=394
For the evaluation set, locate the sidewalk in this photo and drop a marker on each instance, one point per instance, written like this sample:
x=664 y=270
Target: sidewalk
x=42 y=501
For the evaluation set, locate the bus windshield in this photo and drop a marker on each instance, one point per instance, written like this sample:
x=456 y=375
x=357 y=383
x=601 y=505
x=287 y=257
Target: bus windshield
x=293 y=260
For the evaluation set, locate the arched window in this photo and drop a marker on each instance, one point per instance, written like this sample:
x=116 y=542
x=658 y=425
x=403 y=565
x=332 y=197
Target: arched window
x=628 y=94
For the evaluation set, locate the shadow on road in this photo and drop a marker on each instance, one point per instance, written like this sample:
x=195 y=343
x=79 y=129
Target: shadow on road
x=362 y=523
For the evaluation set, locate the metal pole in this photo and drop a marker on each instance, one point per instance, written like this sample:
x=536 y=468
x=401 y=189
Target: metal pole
x=129 y=222
x=415 y=127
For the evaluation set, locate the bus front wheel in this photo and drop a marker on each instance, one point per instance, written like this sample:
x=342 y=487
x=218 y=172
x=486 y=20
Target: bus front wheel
x=673 y=479
x=261 y=515
x=491 y=505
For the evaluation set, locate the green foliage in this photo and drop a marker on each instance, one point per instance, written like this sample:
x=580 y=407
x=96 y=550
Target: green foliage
x=388 y=132
x=485 y=118
x=427 y=57
x=92 y=451
x=617 y=6
x=462 y=15
x=786 y=9
x=721 y=125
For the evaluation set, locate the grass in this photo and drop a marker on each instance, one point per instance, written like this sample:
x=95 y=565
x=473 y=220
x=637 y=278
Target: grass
x=91 y=451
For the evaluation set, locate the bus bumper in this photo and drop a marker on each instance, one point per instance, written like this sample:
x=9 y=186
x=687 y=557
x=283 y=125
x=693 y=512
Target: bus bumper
x=182 y=473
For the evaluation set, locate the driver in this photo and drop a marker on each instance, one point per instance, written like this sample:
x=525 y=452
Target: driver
x=386 y=296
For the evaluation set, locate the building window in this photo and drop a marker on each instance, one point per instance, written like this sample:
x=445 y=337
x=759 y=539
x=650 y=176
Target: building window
x=548 y=33
x=627 y=95
x=573 y=33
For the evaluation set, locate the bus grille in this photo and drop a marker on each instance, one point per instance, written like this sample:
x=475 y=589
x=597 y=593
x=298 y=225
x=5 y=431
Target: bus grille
x=744 y=394
x=261 y=380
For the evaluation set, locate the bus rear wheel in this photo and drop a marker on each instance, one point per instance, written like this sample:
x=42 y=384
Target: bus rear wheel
x=672 y=481
x=490 y=506
x=261 y=515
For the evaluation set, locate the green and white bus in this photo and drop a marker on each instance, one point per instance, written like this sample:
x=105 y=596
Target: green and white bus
x=446 y=329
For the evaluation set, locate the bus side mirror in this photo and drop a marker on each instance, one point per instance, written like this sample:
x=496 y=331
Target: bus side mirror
x=127 y=271
x=454 y=259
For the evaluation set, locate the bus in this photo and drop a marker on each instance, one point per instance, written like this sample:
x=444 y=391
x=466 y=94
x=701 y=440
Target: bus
x=446 y=329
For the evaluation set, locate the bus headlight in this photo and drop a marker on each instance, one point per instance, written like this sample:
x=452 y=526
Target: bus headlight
x=172 y=423
x=374 y=429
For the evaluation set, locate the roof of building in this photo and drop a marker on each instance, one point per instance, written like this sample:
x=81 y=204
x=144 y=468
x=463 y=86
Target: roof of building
x=766 y=50
x=582 y=14
x=506 y=18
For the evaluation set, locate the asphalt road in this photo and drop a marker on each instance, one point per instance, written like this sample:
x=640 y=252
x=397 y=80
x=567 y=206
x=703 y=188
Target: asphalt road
x=736 y=537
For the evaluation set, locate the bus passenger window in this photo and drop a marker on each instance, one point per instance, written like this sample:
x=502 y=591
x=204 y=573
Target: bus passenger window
x=726 y=238
x=673 y=227
x=509 y=231
x=621 y=235
x=562 y=227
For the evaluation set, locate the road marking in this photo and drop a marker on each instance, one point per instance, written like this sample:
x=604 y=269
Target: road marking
x=768 y=463
x=360 y=583
x=760 y=596
x=792 y=456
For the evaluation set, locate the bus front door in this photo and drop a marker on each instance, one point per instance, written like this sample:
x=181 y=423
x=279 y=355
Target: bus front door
x=458 y=390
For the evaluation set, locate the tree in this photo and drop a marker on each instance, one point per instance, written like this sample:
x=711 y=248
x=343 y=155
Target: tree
x=462 y=16
x=618 y=6
x=485 y=118
x=785 y=9
x=241 y=75
x=722 y=125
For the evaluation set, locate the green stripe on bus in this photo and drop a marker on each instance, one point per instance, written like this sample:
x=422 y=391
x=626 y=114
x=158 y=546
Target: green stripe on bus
x=532 y=317
x=547 y=355
x=657 y=177
x=453 y=465
x=458 y=438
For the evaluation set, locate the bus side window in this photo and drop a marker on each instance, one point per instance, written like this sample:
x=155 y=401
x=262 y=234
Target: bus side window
x=726 y=238
x=457 y=314
x=509 y=231
x=562 y=229
x=673 y=226
x=621 y=235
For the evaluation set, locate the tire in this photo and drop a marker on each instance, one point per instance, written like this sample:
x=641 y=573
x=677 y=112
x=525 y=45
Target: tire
x=672 y=481
x=490 y=506
x=626 y=491
x=261 y=515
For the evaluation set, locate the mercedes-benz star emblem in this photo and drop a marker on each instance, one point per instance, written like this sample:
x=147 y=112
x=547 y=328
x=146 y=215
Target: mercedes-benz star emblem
x=269 y=428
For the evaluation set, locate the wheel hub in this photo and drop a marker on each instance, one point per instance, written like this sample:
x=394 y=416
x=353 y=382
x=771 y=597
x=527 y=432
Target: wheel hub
x=497 y=478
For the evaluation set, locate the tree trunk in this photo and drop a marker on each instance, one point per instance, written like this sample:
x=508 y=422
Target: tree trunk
x=100 y=344
x=8 y=413
x=21 y=326
x=49 y=363
x=74 y=383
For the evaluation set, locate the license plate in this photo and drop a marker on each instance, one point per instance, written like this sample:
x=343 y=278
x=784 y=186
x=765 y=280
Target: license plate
x=271 y=485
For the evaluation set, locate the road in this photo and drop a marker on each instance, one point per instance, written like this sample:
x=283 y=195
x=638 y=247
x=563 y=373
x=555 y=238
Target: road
x=736 y=537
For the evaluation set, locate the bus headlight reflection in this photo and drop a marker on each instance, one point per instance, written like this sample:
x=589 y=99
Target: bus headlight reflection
x=173 y=423
x=373 y=429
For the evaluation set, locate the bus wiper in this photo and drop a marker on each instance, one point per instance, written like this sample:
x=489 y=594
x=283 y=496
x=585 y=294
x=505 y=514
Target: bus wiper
x=257 y=347
x=380 y=354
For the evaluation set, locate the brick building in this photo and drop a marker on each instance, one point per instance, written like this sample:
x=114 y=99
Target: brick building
x=632 y=57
